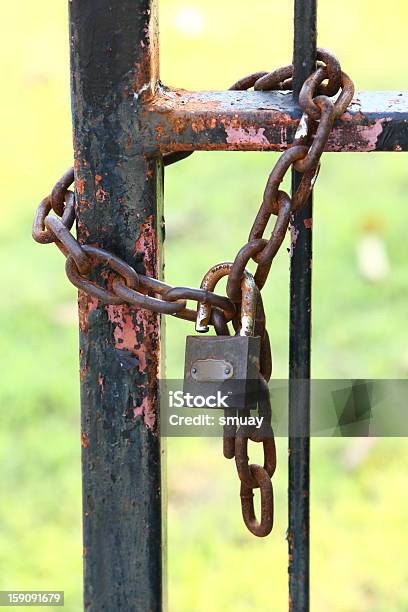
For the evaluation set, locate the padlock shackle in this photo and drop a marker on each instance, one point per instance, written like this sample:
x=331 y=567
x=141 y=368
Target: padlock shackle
x=249 y=293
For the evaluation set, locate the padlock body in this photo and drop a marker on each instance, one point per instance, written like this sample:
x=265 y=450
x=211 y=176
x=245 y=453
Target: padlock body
x=225 y=364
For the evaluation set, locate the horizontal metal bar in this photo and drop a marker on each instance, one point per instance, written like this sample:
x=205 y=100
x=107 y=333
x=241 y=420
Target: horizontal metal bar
x=255 y=120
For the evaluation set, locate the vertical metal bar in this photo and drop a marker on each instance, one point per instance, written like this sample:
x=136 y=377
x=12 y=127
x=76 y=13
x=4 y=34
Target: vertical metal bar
x=114 y=67
x=304 y=58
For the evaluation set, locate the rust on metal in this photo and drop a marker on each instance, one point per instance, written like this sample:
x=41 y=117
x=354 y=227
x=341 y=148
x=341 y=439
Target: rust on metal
x=241 y=458
x=180 y=120
x=263 y=527
x=59 y=191
x=129 y=296
x=247 y=298
x=109 y=280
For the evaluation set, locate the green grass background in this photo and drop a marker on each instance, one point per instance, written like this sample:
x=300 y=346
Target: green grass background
x=359 y=530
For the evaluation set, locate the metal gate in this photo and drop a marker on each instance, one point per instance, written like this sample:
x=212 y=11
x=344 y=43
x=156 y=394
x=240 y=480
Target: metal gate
x=123 y=124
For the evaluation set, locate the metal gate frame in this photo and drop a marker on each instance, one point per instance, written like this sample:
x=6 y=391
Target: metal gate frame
x=124 y=120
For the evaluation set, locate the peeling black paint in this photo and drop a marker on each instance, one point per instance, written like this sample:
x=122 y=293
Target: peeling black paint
x=117 y=189
x=394 y=136
x=304 y=62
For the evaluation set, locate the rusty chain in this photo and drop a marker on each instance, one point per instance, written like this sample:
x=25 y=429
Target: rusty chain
x=124 y=284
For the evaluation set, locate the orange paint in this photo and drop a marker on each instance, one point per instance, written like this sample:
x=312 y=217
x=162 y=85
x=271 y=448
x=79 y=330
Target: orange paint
x=84 y=440
x=101 y=195
x=129 y=325
x=80 y=185
x=86 y=304
x=147 y=244
x=124 y=330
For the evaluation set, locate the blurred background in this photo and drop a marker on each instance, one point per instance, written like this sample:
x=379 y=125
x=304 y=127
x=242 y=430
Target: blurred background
x=359 y=513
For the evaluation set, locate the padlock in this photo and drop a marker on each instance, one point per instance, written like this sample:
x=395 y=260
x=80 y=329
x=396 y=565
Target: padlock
x=225 y=367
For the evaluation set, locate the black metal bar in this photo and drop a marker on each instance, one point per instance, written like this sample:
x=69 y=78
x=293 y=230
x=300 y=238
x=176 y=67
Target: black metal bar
x=304 y=58
x=256 y=120
x=118 y=197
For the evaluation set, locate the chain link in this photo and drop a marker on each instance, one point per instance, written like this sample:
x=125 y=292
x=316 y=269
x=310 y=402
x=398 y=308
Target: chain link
x=304 y=155
x=120 y=283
